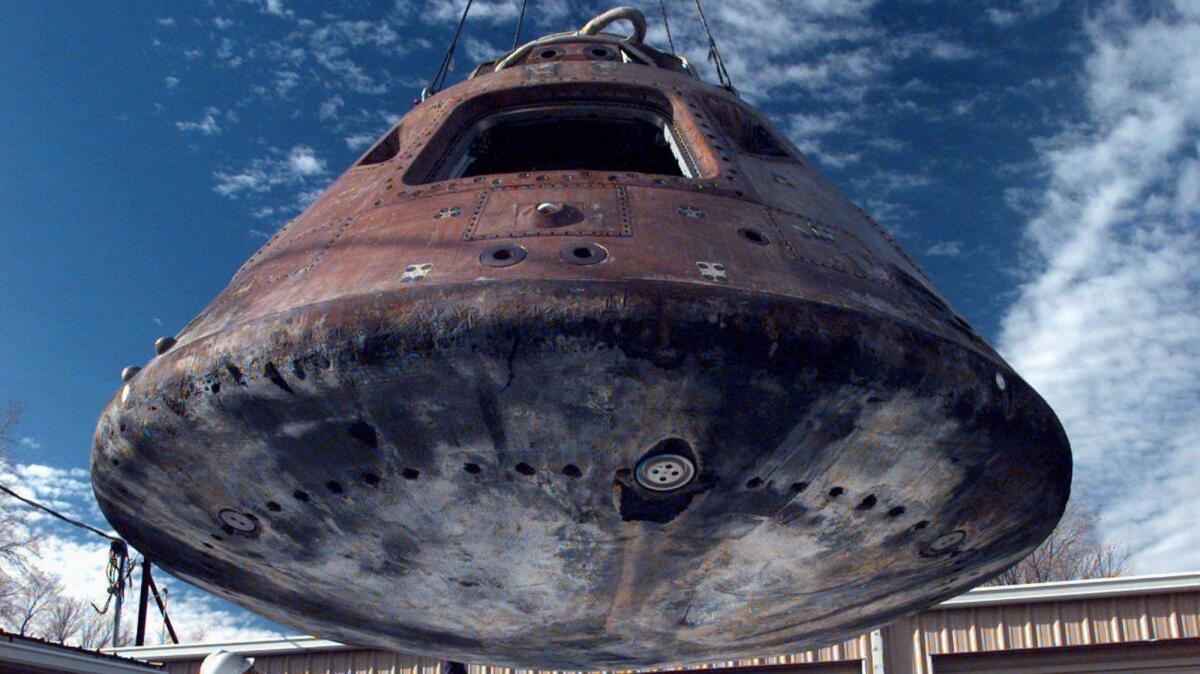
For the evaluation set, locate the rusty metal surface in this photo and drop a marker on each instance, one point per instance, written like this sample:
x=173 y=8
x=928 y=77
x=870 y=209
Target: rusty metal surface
x=372 y=410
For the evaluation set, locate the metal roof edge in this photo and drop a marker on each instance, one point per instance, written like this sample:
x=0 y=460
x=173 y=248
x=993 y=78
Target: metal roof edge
x=1074 y=589
x=67 y=660
x=272 y=646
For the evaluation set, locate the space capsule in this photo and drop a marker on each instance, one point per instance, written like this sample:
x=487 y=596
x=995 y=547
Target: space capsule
x=581 y=366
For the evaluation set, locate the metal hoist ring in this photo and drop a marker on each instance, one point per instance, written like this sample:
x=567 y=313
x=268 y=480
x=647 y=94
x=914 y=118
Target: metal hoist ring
x=629 y=14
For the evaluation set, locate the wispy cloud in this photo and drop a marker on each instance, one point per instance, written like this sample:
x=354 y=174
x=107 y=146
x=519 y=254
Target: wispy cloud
x=30 y=443
x=297 y=168
x=1107 y=326
x=206 y=125
x=945 y=249
x=79 y=560
x=359 y=140
x=329 y=108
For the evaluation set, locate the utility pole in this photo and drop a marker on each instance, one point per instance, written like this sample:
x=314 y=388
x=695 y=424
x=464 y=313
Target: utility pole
x=143 y=601
x=120 y=553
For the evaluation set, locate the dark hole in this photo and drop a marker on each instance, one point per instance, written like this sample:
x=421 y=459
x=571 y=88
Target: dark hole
x=608 y=141
x=472 y=468
x=384 y=149
x=836 y=492
x=571 y=470
x=525 y=469
x=300 y=495
x=335 y=487
x=502 y=254
x=371 y=478
x=896 y=512
x=599 y=52
x=410 y=473
x=217 y=537
x=582 y=253
x=273 y=506
x=754 y=236
x=867 y=503
x=920 y=525
x=209 y=546
x=754 y=483
x=798 y=487
x=548 y=53
x=272 y=374
x=116 y=462
x=365 y=433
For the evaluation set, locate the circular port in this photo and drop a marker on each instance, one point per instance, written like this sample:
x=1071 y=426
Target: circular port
x=238 y=521
x=754 y=236
x=665 y=472
x=504 y=255
x=582 y=253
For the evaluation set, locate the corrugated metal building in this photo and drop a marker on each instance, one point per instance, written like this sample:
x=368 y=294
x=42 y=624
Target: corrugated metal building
x=1135 y=624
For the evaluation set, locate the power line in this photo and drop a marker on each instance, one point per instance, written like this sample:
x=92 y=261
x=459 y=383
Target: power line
x=119 y=569
x=57 y=514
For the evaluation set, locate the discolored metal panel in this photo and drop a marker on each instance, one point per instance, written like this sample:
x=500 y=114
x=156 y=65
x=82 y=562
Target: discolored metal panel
x=583 y=209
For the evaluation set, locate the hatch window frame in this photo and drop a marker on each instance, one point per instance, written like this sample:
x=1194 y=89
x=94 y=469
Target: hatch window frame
x=452 y=163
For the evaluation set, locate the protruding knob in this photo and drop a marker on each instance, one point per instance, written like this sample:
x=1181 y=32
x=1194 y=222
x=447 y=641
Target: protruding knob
x=163 y=345
x=549 y=208
x=129 y=372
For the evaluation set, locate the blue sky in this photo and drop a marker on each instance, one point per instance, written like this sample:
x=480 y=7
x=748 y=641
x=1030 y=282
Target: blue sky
x=1039 y=159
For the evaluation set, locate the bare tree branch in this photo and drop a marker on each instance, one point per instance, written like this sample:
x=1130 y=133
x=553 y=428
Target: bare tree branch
x=63 y=619
x=1075 y=551
x=38 y=591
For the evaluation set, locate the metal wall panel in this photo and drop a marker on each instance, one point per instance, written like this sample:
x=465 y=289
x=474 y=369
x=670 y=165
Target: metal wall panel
x=911 y=641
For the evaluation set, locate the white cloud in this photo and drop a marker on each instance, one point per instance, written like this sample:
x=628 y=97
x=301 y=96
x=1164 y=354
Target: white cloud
x=358 y=141
x=206 y=125
x=332 y=44
x=222 y=23
x=1107 y=326
x=79 y=559
x=273 y=7
x=30 y=443
x=171 y=81
x=165 y=21
x=297 y=168
x=285 y=81
x=329 y=108
x=945 y=249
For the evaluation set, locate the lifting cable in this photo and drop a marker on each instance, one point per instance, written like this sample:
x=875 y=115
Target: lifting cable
x=439 y=78
x=520 y=22
x=714 y=54
x=666 y=24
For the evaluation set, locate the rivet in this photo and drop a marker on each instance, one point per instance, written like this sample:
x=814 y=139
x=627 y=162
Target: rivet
x=1000 y=383
x=129 y=373
x=163 y=345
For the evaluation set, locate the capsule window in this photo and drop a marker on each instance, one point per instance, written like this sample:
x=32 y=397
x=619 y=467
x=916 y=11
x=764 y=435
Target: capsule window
x=568 y=138
x=387 y=148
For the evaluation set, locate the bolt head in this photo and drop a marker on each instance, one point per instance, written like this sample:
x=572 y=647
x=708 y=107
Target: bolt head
x=163 y=345
x=129 y=373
